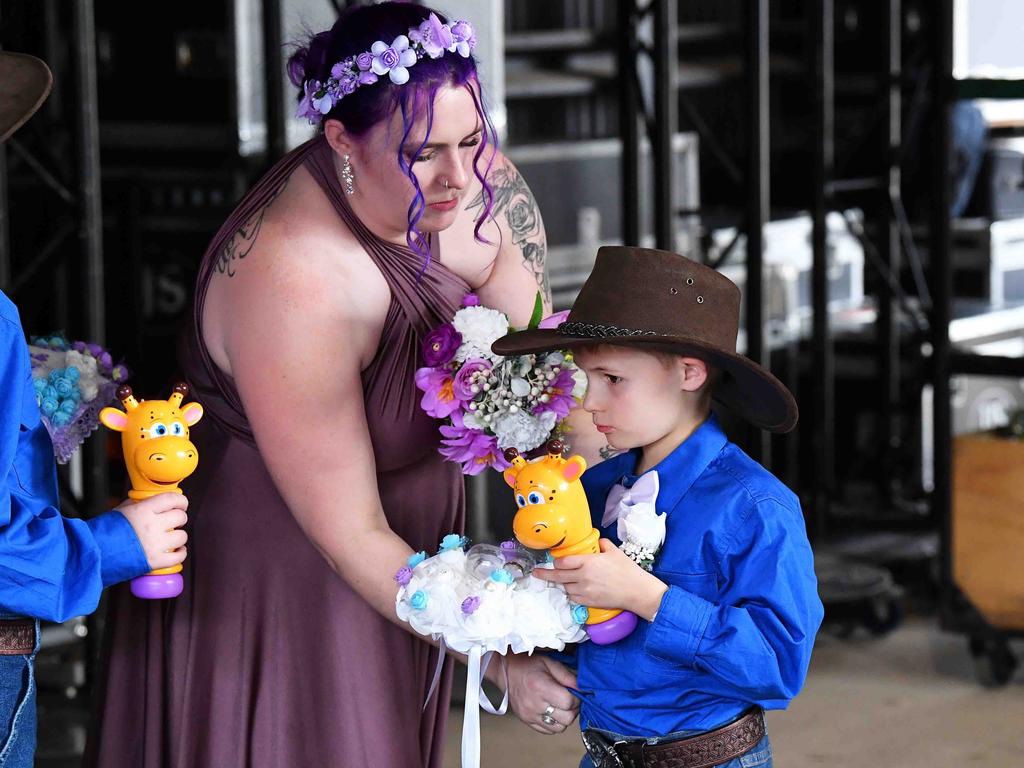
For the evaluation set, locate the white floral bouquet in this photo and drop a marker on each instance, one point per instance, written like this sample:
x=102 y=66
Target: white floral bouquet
x=490 y=403
x=482 y=601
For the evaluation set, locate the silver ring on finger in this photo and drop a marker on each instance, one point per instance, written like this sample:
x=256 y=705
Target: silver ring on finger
x=548 y=719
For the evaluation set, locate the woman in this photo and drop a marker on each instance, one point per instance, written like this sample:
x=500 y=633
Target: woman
x=320 y=474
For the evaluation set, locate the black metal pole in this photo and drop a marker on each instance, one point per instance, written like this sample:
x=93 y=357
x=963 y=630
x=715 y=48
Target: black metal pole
x=272 y=75
x=758 y=195
x=822 y=353
x=666 y=116
x=95 y=482
x=941 y=279
x=629 y=113
x=888 y=319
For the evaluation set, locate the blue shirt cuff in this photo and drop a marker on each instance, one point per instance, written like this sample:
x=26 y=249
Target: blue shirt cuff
x=121 y=554
x=678 y=627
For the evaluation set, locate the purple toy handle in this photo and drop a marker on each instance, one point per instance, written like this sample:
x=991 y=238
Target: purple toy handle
x=612 y=630
x=158 y=587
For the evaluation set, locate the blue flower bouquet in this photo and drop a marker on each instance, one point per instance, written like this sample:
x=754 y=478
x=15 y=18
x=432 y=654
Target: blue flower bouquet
x=73 y=382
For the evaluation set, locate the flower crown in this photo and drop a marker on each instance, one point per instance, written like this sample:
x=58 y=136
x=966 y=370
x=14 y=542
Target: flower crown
x=431 y=38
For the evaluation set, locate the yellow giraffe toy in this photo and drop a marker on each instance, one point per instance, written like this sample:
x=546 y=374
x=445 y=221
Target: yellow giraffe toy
x=158 y=455
x=554 y=515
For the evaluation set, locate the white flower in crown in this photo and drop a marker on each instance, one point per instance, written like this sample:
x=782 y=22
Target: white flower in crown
x=480 y=327
x=522 y=431
x=393 y=60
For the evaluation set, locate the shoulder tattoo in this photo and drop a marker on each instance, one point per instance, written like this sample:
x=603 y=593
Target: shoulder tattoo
x=514 y=200
x=243 y=241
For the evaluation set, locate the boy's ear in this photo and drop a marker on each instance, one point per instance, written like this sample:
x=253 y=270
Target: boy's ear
x=693 y=372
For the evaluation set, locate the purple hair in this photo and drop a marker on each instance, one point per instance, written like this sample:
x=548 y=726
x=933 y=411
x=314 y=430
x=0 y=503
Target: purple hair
x=353 y=33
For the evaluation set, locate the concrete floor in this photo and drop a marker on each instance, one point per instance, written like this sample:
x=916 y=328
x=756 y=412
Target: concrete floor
x=908 y=699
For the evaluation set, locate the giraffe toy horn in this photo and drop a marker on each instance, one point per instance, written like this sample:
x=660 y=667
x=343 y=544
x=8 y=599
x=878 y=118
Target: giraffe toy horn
x=124 y=394
x=512 y=457
x=178 y=394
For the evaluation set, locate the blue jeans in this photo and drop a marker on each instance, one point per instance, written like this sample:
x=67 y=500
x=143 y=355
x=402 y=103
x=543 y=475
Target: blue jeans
x=758 y=756
x=18 y=709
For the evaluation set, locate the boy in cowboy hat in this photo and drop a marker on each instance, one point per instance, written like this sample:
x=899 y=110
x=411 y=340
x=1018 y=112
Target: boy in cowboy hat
x=51 y=567
x=729 y=605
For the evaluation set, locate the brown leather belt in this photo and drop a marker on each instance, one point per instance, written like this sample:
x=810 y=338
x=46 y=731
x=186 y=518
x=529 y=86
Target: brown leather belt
x=704 y=750
x=17 y=637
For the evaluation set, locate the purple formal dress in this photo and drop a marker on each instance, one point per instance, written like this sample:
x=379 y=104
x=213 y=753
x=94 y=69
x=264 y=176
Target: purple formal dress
x=269 y=659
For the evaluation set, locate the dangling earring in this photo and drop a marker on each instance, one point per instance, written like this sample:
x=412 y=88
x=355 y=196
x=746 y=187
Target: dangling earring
x=347 y=177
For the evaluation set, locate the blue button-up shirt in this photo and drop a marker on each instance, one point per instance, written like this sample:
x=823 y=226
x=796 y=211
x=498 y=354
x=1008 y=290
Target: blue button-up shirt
x=51 y=567
x=738 y=621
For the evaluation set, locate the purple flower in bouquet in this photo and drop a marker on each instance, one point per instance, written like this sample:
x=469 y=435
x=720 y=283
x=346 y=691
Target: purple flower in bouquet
x=559 y=395
x=555 y=320
x=470 y=604
x=473 y=449
x=441 y=344
x=439 y=398
x=404 y=575
x=463 y=383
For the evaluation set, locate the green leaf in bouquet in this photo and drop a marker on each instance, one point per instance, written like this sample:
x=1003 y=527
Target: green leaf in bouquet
x=538 y=312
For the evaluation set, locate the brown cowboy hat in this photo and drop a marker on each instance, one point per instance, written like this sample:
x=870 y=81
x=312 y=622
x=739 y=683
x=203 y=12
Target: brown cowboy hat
x=24 y=84
x=658 y=300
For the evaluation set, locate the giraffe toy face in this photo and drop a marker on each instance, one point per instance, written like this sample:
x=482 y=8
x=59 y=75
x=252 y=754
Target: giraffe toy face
x=553 y=511
x=155 y=439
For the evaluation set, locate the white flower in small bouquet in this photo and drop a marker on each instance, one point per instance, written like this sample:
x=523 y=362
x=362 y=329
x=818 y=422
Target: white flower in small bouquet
x=73 y=381
x=489 y=402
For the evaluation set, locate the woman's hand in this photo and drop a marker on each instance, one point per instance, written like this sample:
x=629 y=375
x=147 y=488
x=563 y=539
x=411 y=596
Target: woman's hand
x=608 y=579
x=537 y=683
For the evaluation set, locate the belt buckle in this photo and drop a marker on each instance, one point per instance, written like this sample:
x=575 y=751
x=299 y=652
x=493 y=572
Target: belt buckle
x=603 y=750
x=616 y=757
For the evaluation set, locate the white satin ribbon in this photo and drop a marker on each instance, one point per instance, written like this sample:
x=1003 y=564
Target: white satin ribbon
x=476 y=699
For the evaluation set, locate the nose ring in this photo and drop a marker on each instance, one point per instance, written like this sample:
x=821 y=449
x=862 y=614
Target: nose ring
x=446 y=184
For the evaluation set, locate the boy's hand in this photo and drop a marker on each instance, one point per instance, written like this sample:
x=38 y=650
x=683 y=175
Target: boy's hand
x=156 y=521
x=536 y=683
x=608 y=579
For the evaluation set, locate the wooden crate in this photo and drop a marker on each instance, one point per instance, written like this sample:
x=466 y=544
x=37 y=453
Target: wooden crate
x=988 y=526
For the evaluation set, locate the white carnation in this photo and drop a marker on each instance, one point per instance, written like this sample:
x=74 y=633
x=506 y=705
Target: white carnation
x=579 y=383
x=522 y=431
x=480 y=327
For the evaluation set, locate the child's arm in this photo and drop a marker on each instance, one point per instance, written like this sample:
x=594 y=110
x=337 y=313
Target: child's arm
x=51 y=567
x=758 y=635
x=607 y=580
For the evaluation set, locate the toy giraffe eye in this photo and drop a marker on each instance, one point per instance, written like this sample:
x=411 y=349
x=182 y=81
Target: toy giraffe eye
x=536 y=498
x=521 y=500
x=158 y=430
x=178 y=429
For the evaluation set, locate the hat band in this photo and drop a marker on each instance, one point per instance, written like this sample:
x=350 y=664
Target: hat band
x=596 y=331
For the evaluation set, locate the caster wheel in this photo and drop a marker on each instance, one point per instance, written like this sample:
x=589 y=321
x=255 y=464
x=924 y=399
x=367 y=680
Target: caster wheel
x=883 y=615
x=994 y=662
